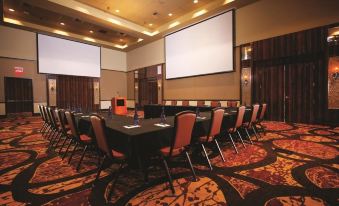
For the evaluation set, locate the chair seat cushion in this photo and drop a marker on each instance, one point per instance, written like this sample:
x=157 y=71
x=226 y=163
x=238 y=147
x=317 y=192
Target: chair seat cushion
x=118 y=155
x=85 y=138
x=166 y=151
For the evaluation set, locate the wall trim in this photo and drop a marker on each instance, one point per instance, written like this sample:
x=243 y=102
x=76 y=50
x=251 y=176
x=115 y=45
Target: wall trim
x=113 y=70
x=3 y=57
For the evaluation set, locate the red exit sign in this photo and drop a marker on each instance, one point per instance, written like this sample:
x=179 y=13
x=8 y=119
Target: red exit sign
x=18 y=70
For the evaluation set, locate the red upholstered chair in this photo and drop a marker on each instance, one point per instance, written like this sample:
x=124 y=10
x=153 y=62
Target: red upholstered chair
x=110 y=155
x=55 y=127
x=214 y=129
x=215 y=104
x=49 y=130
x=185 y=103
x=249 y=125
x=183 y=127
x=232 y=103
x=174 y=103
x=80 y=139
x=237 y=125
x=66 y=132
x=44 y=125
x=201 y=103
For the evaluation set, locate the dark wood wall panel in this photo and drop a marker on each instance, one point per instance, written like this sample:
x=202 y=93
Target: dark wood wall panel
x=75 y=92
x=291 y=71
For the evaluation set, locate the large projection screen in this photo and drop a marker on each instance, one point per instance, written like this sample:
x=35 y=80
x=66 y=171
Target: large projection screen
x=204 y=48
x=60 y=56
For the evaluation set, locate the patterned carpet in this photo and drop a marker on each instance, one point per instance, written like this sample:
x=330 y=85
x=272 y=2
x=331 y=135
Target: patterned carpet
x=292 y=164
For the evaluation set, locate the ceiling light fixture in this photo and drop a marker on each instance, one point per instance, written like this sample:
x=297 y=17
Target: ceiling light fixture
x=11 y=10
x=121 y=46
x=12 y=21
x=140 y=39
x=150 y=24
x=199 y=13
x=150 y=33
x=61 y=32
x=173 y=24
x=117 y=10
x=89 y=39
x=91 y=31
x=62 y=23
x=195 y=1
x=170 y=14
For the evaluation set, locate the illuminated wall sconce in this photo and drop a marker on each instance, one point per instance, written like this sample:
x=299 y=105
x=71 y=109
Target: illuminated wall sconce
x=335 y=74
x=245 y=80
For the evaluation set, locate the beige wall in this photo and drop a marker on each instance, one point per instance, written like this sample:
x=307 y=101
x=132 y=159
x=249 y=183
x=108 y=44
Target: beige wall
x=113 y=60
x=16 y=43
x=269 y=18
x=148 y=55
x=30 y=72
x=112 y=83
x=130 y=85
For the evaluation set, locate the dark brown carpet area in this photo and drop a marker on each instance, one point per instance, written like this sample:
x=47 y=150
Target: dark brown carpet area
x=292 y=164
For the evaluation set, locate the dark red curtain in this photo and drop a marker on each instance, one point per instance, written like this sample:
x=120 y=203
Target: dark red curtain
x=75 y=92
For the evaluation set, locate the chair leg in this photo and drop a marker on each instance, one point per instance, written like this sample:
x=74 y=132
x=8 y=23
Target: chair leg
x=255 y=133
x=114 y=181
x=70 y=157
x=241 y=139
x=235 y=148
x=82 y=157
x=60 y=137
x=170 y=181
x=255 y=129
x=208 y=160
x=191 y=167
x=99 y=171
x=70 y=143
x=248 y=135
x=220 y=152
x=63 y=144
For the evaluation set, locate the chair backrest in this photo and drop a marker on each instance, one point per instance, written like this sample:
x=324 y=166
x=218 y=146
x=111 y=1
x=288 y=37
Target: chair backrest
x=99 y=125
x=232 y=103
x=174 y=103
x=215 y=104
x=41 y=113
x=185 y=103
x=262 y=113
x=240 y=116
x=183 y=126
x=61 y=116
x=71 y=123
x=51 y=115
x=216 y=121
x=44 y=110
x=255 y=109
x=201 y=103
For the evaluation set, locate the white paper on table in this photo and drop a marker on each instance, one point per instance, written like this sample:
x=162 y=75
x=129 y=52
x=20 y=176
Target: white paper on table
x=162 y=125
x=201 y=117
x=131 y=126
x=85 y=116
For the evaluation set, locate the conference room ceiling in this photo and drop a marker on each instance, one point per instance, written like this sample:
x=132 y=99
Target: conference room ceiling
x=118 y=24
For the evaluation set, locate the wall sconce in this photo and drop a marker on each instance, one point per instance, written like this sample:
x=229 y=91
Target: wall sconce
x=335 y=74
x=245 y=77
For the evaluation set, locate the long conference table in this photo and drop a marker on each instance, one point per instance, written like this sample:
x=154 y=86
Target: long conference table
x=141 y=142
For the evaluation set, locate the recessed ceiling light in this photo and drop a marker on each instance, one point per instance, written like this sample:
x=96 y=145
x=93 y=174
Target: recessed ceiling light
x=62 y=23
x=195 y=1
x=91 y=31
x=117 y=10
x=170 y=14
x=11 y=10
x=150 y=24
x=121 y=40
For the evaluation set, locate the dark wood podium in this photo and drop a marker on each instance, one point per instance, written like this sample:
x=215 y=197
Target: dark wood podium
x=119 y=106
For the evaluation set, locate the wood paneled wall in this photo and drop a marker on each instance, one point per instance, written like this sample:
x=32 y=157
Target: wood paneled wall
x=290 y=74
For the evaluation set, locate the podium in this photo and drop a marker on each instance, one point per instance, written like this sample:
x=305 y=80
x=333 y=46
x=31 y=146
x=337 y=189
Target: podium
x=119 y=106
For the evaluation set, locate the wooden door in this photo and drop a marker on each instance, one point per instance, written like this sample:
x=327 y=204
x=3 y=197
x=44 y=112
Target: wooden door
x=18 y=95
x=268 y=86
x=153 y=92
x=305 y=95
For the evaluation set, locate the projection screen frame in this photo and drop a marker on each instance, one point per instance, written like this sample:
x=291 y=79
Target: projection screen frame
x=74 y=40
x=190 y=25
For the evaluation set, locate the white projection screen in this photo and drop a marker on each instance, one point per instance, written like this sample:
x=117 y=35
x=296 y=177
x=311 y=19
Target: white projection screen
x=204 y=48
x=60 y=56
